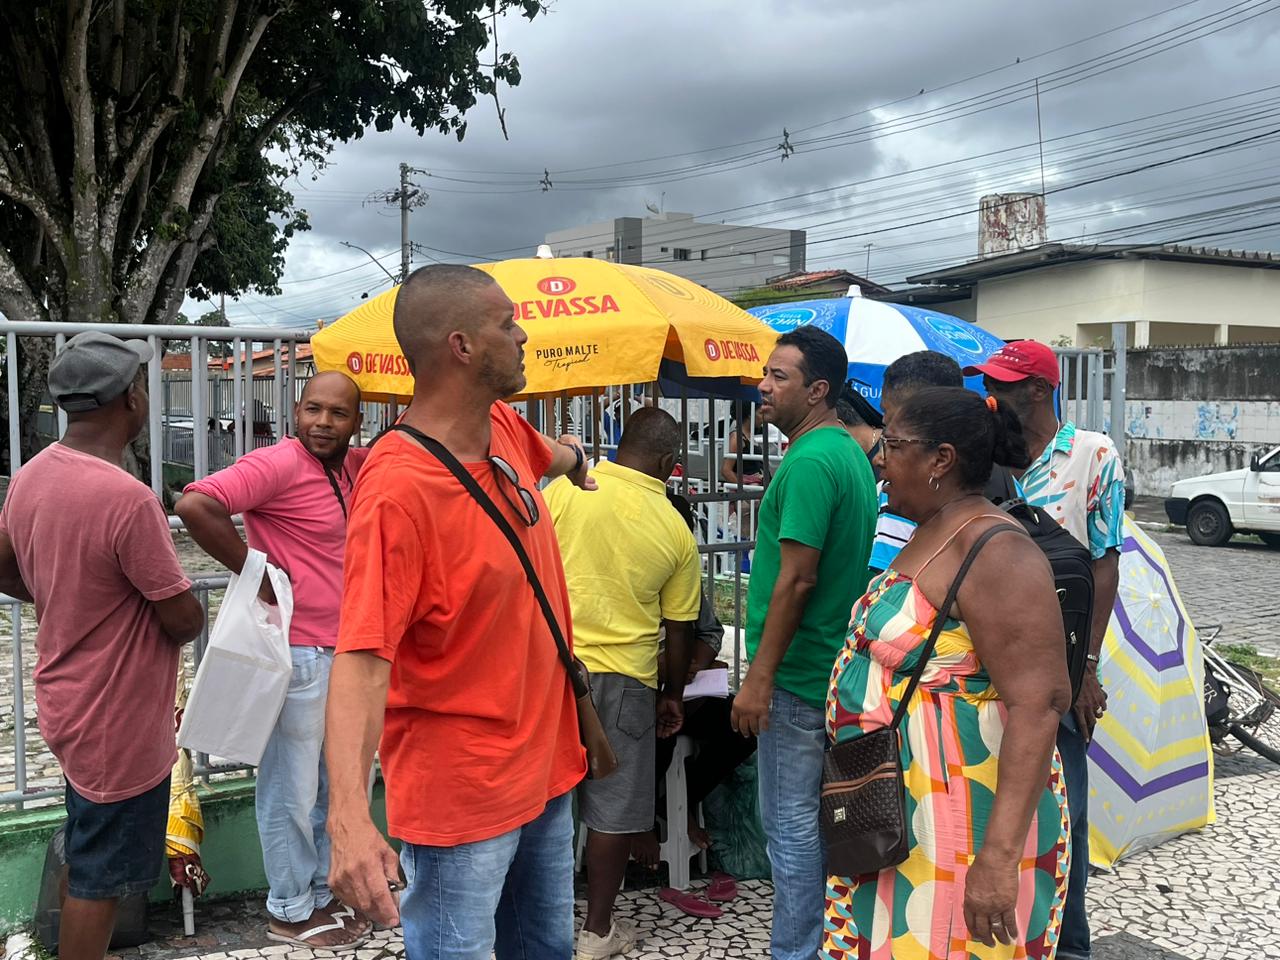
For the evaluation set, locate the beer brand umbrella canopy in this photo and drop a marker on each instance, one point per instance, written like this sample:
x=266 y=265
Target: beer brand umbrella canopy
x=1150 y=763
x=591 y=323
x=875 y=334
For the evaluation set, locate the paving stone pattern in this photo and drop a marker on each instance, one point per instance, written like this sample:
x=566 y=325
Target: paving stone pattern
x=1213 y=895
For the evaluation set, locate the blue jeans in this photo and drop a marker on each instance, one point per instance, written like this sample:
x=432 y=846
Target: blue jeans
x=292 y=796
x=1073 y=943
x=511 y=896
x=790 y=788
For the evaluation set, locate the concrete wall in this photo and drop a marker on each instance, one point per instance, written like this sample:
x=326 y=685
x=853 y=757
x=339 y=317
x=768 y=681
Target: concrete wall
x=230 y=851
x=722 y=257
x=1048 y=304
x=1191 y=412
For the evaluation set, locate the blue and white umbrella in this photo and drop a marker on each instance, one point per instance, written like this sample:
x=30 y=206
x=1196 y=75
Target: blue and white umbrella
x=875 y=334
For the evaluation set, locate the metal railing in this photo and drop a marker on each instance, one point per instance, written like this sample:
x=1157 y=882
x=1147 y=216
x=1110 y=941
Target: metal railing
x=187 y=412
x=1092 y=392
x=212 y=395
x=283 y=380
x=22 y=793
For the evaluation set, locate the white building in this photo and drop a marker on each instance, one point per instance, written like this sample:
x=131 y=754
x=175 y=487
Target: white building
x=722 y=257
x=1067 y=293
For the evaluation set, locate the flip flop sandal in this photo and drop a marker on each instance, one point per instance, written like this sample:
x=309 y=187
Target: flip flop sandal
x=690 y=903
x=345 y=912
x=304 y=939
x=722 y=888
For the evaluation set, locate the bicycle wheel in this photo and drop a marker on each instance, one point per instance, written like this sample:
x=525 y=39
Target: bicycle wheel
x=1254 y=744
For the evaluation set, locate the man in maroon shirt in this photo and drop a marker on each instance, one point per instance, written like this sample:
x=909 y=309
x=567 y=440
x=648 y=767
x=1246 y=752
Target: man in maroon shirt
x=91 y=546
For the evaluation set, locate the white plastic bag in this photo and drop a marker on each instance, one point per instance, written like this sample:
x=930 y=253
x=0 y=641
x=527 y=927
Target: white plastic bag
x=244 y=675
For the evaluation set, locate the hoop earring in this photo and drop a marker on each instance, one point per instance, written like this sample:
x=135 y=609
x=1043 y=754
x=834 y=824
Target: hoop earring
x=934 y=485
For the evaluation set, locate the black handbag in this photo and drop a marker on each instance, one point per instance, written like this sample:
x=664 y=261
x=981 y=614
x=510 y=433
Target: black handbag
x=601 y=759
x=864 y=807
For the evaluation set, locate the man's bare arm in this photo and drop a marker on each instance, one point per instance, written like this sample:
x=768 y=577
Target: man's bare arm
x=361 y=863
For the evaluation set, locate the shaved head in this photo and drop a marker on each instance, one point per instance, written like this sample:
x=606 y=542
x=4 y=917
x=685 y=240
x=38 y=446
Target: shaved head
x=650 y=443
x=335 y=379
x=651 y=432
x=434 y=302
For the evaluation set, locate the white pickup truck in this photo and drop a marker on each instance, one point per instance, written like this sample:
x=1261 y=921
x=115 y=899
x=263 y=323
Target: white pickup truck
x=1215 y=507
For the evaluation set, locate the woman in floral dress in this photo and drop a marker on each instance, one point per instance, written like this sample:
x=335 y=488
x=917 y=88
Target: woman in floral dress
x=986 y=806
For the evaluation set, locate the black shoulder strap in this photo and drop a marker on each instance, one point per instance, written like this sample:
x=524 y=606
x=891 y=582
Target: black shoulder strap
x=942 y=614
x=441 y=453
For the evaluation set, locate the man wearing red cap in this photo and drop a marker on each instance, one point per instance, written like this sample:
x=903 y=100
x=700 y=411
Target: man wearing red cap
x=1076 y=477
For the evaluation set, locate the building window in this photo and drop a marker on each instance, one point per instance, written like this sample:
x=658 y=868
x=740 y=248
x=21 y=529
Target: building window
x=662 y=249
x=781 y=260
x=588 y=253
x=704 y=255
x=609 y=253
x=680 y=253
x=747 y=259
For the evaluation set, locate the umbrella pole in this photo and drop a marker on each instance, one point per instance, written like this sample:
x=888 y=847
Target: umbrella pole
x=595 y=425
x=188 y=912
x=684 y=453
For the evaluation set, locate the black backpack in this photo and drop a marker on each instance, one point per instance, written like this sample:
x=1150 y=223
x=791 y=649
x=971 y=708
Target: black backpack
x=1072 y=567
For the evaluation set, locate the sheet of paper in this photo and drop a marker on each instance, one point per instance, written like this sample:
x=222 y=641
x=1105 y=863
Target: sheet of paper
x=708 y=683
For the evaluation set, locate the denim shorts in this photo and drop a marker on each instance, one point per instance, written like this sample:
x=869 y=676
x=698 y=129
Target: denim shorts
x=623 y=802
x=115 y=849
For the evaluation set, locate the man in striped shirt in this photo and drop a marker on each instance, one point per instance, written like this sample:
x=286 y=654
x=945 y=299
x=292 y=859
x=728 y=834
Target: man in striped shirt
x=1076 y=477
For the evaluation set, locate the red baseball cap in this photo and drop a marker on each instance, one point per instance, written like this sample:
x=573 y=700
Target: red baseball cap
x=1018 y=361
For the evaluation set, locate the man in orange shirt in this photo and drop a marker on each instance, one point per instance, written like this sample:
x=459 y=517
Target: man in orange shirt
x=445 y=656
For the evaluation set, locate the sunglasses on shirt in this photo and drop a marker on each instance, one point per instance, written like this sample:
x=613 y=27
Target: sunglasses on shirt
x=504 y=471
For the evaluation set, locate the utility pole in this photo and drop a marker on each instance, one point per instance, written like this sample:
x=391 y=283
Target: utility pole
x=409 y=196
x=406 y=254
x=867 y=274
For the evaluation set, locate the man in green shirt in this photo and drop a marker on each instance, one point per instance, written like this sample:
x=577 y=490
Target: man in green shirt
x=813 y=539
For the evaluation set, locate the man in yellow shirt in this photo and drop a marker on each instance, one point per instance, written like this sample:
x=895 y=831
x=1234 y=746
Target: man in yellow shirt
x=632 y=567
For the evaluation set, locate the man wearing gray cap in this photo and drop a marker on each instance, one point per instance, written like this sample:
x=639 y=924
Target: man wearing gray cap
x=91 y=546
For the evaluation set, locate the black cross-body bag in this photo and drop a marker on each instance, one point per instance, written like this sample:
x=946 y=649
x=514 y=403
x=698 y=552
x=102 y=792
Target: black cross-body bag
x=601 y=760
x=864 y=808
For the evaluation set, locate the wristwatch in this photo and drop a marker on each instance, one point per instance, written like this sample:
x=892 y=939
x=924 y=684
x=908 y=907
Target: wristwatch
x=577 y=452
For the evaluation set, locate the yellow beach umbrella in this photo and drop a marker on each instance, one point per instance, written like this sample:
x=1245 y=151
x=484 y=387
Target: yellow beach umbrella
x=591 y=323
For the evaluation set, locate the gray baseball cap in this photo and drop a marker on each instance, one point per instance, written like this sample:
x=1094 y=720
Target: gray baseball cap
x=93 y=369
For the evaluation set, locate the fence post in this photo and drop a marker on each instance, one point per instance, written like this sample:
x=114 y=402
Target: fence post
x=155 y=428
x=59 y=342
x=19 y=708
x=199 y=411
x=15 y=427
x=277 y=389
x=1119 y=348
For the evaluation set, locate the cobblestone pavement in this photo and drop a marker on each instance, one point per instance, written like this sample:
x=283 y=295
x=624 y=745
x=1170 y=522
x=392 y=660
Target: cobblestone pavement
x=1237 y=586
x=1213 y=895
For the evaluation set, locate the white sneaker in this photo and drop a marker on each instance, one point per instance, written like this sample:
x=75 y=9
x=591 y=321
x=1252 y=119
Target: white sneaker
x=620 y=941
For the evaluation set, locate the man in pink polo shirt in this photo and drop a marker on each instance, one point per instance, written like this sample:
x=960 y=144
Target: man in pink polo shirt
x=294 y=497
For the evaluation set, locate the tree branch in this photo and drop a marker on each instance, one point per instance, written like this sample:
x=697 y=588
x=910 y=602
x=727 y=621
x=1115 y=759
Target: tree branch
x=17 y=302
x=17 y=188
x=222 y=35
x=145 y=278
x=140 y=151
x=87 y=272
x=115 y=75
x=277 y=119
x=172 y=285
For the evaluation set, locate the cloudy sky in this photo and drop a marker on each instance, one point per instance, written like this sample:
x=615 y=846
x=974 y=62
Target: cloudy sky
x=1160 y=119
